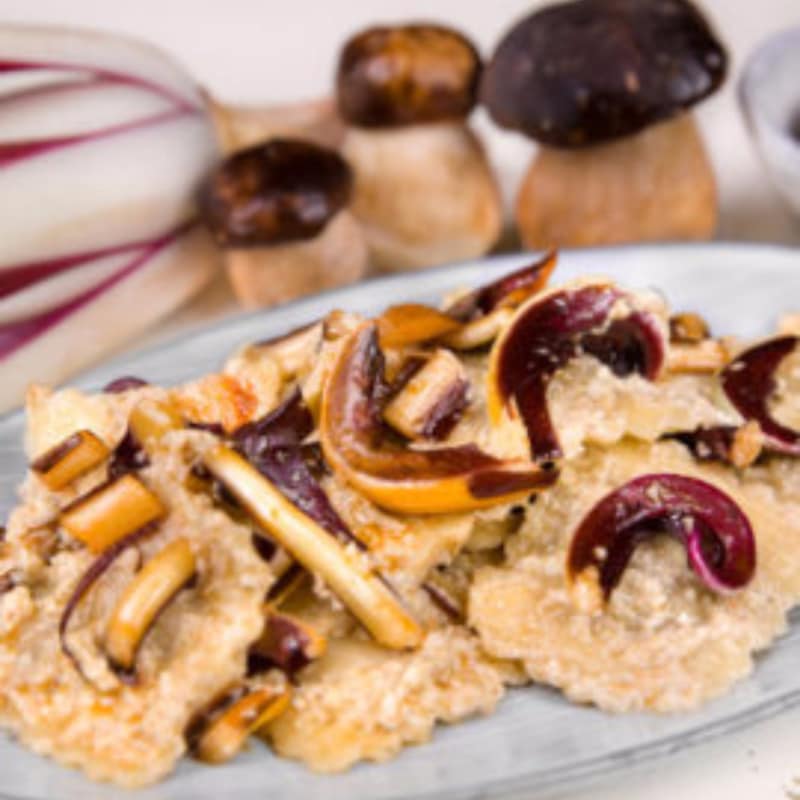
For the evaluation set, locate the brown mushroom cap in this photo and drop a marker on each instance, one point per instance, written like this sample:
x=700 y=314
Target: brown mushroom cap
x=404 y=75
x=588 y=71
x=281 y=191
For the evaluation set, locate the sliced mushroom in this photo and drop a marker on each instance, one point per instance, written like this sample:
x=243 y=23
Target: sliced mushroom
x=151 y=589
x=393 y=476
x=589 y=79
x=432 y=401
x=286 y=643
x=688 y=328
x=68 y=460
x=111 y=512
x=739 y=446
x=219 y=732
x=424 y=190
x=705 y=356
x=279 y=210
x=342 y=568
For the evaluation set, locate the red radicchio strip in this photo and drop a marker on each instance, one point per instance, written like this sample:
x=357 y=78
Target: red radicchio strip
x=550 y=333
x=719 y=541
x=96 y=569
x=749 y=381
x=274 y=446
x=509 y=289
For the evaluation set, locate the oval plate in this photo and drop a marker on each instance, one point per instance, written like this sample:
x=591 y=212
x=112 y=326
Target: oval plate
x=536 y=739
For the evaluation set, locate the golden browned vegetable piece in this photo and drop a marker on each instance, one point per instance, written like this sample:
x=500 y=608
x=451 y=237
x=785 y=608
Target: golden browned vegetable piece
x=110 y=512
x=144 y=597
x=70 y=459
x=345 y=571
x=424 y=190
x=279 y=209
x=225 y=728
x=605 y=87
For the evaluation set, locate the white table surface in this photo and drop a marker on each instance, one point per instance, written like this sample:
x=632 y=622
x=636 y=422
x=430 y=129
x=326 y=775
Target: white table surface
x=265 y=51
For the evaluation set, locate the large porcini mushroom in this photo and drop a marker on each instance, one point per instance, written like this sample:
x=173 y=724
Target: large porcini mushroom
x=279 y=210
x=590 y=80
x=394 y=476
x=424 y=190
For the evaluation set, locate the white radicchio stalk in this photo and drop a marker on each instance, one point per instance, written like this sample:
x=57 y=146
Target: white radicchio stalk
x=103 y=142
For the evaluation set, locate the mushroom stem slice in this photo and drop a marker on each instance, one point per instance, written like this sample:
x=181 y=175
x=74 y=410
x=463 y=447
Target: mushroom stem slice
x=71 y=458
x=161 y=578
x=433 y=399
x=688 y=328
x=343 y=569
x=287 y=643
x=706 y=356
x=481 y=331
x=228 y=730
x=413 y=323
x=110 y=512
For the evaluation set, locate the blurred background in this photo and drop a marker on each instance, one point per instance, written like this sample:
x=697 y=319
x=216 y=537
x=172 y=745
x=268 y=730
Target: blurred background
x=277 y=51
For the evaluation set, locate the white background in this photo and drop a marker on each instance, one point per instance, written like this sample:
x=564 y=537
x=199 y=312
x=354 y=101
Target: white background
x=268 y=52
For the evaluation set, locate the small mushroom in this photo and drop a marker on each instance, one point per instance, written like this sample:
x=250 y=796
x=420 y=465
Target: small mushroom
x=603 y=86
x=279 y=210
x=220 y=731
x=424 y=190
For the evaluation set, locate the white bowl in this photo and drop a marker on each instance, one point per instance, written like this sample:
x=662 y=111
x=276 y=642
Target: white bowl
x=769 y=91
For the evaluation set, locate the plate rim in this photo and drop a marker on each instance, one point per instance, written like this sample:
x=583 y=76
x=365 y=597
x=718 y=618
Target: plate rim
x=553 y=777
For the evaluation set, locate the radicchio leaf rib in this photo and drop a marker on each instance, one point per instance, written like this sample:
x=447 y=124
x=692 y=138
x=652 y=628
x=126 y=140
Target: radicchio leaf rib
x=549 y=333
x=719 y=540
x=16 y=334
x=95 y=571
x=749 y=382
x=274 y=446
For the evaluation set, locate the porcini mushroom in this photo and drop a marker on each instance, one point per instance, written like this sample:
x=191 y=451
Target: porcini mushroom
x=279 y=210
x=424 y=191
x=589 y=80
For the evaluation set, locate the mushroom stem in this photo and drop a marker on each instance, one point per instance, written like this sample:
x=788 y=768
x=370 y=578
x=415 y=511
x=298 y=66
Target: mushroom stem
x=654 y=185
x=432 y=401
x=706 y=356
x=144 y=597
x=229 y=728
x=71 y=458
x=111 y=512
x=264 y=276
x=343 y=569
x=425 y=194
x=242 y=126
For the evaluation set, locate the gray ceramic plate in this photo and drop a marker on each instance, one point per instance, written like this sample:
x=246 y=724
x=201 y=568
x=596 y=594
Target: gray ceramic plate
x=537 y=741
